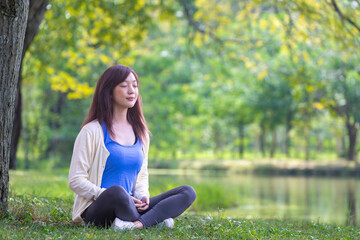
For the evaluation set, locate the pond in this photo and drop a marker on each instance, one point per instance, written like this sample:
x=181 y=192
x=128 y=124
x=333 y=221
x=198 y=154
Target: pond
x=320 y=199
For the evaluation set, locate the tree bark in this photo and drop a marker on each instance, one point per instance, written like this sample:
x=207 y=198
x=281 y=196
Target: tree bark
x=13 y=19
x=37 y=10
x=17 y=125
x=352 y=130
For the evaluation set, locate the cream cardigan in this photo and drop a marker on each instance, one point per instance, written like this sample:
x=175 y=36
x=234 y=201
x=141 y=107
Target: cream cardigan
x=87 y=167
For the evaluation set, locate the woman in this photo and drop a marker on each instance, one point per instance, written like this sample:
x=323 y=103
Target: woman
x=108 y=170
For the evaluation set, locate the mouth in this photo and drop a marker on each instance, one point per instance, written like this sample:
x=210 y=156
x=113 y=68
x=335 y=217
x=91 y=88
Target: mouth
x=130 y=99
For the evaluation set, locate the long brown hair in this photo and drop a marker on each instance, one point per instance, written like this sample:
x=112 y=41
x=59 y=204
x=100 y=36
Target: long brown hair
x=102 y=104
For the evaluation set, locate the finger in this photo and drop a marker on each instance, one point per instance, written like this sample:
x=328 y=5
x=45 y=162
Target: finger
x=143 y=208
x=140 y=205
x=137 y=201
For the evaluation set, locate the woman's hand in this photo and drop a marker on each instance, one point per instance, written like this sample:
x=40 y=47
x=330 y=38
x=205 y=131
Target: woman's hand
x=141 y=205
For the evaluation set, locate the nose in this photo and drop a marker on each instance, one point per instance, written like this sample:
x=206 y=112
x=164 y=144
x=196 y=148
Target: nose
x=130 y=89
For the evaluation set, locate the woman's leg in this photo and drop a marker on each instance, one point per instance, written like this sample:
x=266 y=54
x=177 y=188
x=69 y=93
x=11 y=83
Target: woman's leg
x=113 y=202
x=169 y=204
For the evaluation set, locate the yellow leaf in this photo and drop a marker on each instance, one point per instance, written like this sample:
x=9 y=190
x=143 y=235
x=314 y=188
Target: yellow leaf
x=249 y=64
x=80 y=61
x=286 y=19
x=284 y=50
x=263 y=24
x=105 y=59
x=240 y=16
x=259 y=43
x=310 y=89
x=140 y=4
x=185 y=88
x=306 y=56
x=262 y=74
x=95 y=31
x=197 y=41
x=93 y=40
x=74 y=95
x=257 y=56
x=198 y=15
x=50 y=70
x=320 y=61
x=214 y=85
x=318 y=105
x=296 y=59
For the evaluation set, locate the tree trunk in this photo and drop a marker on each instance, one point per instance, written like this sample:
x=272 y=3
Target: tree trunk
x=242 y=136
x=262 y=140
x=273 y=144
x=37 y=9
x=319 y=144
x=343 y=146
x=352 y=130
x=13 y=18
x=287 y=134
x=307 y=143
x=17 y=125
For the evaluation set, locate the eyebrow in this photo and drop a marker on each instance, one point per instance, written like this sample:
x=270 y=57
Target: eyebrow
x=130 y=81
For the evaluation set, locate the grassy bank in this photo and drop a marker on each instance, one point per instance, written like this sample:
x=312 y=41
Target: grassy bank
x=287 y=167
x=40 y=207
x=43 y=218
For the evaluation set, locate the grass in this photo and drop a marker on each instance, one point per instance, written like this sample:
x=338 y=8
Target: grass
x=44 y=212
x=42 y=218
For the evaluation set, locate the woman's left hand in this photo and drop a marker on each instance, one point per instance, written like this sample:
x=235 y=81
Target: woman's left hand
x=144 y=204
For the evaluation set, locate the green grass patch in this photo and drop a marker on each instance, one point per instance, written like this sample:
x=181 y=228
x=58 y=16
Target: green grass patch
x=45 y=218
x=53 y=184
x=40 y=206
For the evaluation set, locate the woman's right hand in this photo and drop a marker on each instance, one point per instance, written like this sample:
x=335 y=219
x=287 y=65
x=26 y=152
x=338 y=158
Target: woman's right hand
x=139 y=204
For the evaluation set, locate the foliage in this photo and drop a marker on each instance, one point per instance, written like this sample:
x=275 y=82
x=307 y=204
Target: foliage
x=217 y=77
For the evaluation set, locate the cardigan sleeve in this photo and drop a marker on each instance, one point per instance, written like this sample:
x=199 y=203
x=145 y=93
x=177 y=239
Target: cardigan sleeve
x=142 y=182
x=81 y=162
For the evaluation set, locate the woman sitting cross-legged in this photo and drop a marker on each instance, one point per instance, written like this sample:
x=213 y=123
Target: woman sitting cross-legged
x=108 y=170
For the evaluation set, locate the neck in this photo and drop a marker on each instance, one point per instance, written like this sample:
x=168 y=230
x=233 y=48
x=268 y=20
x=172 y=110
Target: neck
x=119 y=115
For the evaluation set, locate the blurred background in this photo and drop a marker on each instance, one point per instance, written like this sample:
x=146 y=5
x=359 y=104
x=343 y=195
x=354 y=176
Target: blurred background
x=255 y=103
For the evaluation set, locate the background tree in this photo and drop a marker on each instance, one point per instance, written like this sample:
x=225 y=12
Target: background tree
x=13 y=18
x=37 y=9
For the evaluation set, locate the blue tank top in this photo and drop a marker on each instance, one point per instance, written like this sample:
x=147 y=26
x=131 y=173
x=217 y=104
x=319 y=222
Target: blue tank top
x=123 y=164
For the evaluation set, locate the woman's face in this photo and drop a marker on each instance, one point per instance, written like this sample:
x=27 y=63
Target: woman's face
x=125 y=94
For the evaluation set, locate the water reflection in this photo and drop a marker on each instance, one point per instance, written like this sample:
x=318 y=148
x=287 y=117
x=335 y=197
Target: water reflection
x=320 y=199
x=351 y=217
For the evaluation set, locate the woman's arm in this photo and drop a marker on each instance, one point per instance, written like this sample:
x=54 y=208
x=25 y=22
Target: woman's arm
x=142 y=182
x=81 y=162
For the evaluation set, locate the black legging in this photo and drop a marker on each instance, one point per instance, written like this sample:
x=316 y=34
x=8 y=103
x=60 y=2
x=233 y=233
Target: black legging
x=116 y=202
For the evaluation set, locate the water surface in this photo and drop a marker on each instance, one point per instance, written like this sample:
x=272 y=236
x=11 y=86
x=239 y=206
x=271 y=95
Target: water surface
x=321 y=199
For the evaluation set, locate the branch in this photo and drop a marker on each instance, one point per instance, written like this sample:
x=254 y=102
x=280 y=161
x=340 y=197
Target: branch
x=342 y=16
x=197 y=26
